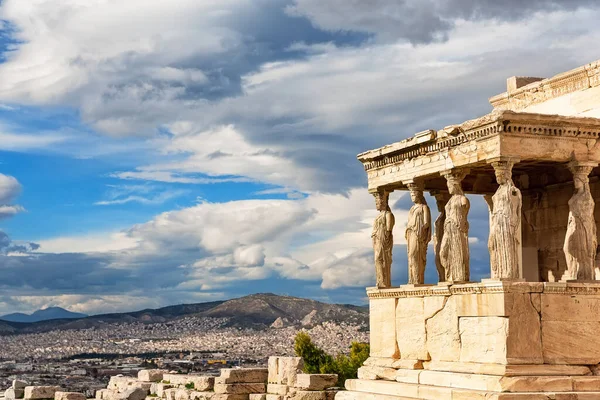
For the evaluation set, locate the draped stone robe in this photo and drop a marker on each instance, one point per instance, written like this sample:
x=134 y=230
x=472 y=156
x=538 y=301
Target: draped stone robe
x=418 y=235
x=383 y=243
x=580 y=241
x=504 y=242
x=454 y=251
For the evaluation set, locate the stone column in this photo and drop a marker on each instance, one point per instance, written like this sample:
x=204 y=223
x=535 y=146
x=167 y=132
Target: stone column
x=580 y=241
x=418 y=234
x=454 y=250
x=441 y=199
x=505 y=244
x=383 y=240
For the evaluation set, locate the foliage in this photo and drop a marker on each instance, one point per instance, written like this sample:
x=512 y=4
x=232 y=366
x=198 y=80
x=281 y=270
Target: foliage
x=317 y=361
x=190 y=385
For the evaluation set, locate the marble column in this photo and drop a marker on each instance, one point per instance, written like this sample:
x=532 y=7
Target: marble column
x=505 y=244
x=383 y=240
x=581 y=241
x=454 y=249
x=441 y=199
x=418 y=234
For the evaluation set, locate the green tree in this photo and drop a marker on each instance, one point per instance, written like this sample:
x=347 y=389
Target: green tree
x=317 y=361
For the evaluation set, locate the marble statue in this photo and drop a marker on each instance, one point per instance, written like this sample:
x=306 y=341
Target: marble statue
x=418 y=235
x=580 y=241
x=383 y=240
x=504 y=241
x=441 y=199
x=454 y=250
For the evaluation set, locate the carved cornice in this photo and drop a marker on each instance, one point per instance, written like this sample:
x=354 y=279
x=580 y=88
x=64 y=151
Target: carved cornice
x=536 y=92
x=570 y=288
x=497 y=123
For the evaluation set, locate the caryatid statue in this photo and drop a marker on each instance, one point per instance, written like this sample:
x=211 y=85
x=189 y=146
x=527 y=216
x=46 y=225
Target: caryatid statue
x=454 y=250
x=580 y=241
x=383 y=240
x=418 y=234
x=504 y=242
x=441 y=199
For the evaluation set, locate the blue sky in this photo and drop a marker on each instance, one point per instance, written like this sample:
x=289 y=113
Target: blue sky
x=155 y=153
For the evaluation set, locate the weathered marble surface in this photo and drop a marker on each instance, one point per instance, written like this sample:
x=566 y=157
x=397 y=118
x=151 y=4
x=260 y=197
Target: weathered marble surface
x=383 y=240
x=418 y=235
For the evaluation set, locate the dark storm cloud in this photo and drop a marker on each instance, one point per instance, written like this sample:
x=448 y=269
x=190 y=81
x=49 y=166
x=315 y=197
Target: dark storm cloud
x=420 y=21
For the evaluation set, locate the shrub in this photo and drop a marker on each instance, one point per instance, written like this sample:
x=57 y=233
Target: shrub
x=317 y=361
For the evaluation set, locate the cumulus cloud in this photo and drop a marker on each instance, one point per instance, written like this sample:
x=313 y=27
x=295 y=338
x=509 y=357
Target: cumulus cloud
x=10 y=188
x=420 y=21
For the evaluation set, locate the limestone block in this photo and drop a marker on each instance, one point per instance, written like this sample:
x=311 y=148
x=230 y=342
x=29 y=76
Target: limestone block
x=306 y=395
x=121 y=383
x=559 y=307
x=316 y=381
x=243 y=375
x=432 y=305
x=274 y=396
x=221 y=396
x=100 y=394
x=409 y=391
x=273 y=367
x=484 y=305
x=159 y=388
x=169 y=394
x=483 y=339
x=150 y=375
x=507 y=370
x=41 y=392
x=524 y=345
x=565 y=342
x=240 y=388
x=410 y=328
x=443 y=338
x=288 y=368
x=182 y=394
x=586 y=383
x=460 y=381
x=201 y=383
x=382 y=317
x=393 y=363
x=277 y=389
x=257 y=396
x=196 y=395
x=536 y=384
x=407 y=375
x=12 y=394
x=18 y=384
x=133 y=394
x=374 y=373
x=69 y=396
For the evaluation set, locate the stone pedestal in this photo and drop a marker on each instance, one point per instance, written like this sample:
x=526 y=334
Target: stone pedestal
x=491 y=340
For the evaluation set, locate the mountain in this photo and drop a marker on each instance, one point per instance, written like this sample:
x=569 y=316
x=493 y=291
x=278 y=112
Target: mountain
x=258 y=311
x=43 y=315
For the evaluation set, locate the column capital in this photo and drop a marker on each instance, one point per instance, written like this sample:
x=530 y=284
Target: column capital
x=503 y=163
x=457 y=174
x=578 y=167
x=415 y=184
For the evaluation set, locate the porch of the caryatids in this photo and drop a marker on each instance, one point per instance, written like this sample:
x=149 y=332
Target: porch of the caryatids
x=418 y=234
x=505 y=243
x=383 y=240
x=441 y=199
x=581 y=241
x=454 y=249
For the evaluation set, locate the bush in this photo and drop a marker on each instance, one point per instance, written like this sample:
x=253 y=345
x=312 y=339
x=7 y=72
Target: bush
x=317 y=361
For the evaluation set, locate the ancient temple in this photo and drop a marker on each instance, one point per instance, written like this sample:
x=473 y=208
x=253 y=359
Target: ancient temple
x=531 y=331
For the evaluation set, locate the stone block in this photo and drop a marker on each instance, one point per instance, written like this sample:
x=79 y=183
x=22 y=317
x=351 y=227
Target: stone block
x=41 y=392
x=169 y=394
x=101 y=394
x=159 y=388
x=240 y=388
x=69 y=396
x=258 y=396
x=524 y=345
x=316 y=381
x=410 y=328
x=408 y=375
x=150 y=375
x=273 y=367
x=306 y=395
x=507 y=370
x=382 y=317
x=374 y=373
x=484 y=305
x=134 y=393
x=274 y=396
x=443 y=338
x=19 y=384
x=200 y=382
x=577 y=308
x=483 y=339
x=379 y=388
x=586 y=383
x=243 y=375
x=222 y=396
x=565 y=342
x=288 y=368
x=273 y=388
x=12 y=394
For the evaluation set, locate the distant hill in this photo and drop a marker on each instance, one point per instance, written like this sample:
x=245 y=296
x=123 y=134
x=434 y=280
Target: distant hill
x=43 y=315
x=258 y=311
